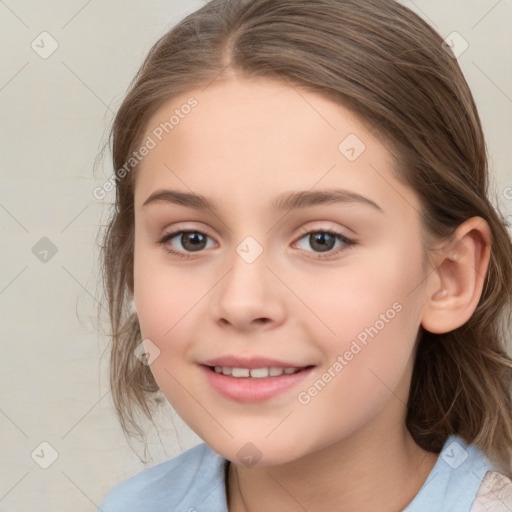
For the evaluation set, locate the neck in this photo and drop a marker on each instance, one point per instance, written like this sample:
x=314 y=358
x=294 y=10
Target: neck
x=367 y=471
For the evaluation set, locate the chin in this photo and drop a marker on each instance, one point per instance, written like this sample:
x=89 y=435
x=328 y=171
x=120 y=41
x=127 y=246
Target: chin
x=258 y=452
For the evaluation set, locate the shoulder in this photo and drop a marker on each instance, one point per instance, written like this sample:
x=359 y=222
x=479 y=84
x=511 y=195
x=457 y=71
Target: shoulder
x=494 y=494
x=187 y=482
x=455 y=480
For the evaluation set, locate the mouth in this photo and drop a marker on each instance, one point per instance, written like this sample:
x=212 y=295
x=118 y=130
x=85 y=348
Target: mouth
x=257 y=373
x=257 y=384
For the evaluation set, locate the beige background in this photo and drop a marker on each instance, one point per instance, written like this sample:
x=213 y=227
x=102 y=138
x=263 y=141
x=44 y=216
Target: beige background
x=55 y=115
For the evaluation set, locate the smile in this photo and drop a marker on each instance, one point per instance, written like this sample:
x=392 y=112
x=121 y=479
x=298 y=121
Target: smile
x=256 y=373
x=252 y=385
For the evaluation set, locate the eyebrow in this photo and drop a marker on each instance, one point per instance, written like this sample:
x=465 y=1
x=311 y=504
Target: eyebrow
x=286 y=201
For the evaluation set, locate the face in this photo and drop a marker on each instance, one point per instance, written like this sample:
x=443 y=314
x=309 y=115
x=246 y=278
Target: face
x=302 y=252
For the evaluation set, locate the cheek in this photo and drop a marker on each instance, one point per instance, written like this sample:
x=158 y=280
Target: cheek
x=365 y=294
x=168 y=304
x=165 y=311
x=383 y=315
x=367 y=368
x=164 y=296
x=374 y=309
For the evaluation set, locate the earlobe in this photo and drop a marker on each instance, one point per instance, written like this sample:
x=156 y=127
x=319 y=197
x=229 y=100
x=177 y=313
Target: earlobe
x=456 y=284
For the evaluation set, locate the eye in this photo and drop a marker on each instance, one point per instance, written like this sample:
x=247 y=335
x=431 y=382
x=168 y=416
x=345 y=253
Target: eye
x=190 y=241
x=324 y=241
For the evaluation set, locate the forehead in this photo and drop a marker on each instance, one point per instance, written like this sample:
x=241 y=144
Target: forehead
x=259 y=114
x=247 y=139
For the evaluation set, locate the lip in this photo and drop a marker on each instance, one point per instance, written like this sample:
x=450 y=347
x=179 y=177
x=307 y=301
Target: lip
x=252 y=390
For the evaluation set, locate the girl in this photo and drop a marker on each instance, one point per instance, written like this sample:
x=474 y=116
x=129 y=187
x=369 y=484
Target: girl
x=321 y=287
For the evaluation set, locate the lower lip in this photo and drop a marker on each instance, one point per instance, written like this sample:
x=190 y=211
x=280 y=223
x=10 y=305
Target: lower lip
x=253 y=389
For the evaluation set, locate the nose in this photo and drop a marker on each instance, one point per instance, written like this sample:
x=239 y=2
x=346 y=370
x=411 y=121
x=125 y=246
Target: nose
x=249 y=297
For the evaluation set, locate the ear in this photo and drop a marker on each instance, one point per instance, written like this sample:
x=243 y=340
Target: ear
x=455 y=286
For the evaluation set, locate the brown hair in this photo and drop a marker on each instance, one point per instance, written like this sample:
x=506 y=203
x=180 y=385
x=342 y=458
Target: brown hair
x=382 y=61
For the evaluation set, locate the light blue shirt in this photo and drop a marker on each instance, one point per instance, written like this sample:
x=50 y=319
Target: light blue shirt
x=195 y=482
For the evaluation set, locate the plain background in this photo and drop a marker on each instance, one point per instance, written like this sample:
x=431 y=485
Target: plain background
x=55 y=116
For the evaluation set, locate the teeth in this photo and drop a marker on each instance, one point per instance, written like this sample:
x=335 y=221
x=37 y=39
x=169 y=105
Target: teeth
x=275 y=372
x=256 y=373
x=238 y=372
x=259 y=372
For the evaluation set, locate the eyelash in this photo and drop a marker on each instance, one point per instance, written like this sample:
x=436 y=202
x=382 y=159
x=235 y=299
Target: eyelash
x=348 y=242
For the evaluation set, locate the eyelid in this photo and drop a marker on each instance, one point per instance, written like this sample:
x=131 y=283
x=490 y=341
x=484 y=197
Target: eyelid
x=326 y=228
x=178 y=228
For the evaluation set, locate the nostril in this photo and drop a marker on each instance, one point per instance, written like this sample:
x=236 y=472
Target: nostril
x=256 y=321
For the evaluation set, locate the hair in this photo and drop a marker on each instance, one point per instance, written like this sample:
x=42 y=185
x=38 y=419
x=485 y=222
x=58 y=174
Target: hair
x=384 y=63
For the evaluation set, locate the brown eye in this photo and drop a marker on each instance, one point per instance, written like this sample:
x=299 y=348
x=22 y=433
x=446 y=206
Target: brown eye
x=322 y=241
x=182 y=243
x=193 y=240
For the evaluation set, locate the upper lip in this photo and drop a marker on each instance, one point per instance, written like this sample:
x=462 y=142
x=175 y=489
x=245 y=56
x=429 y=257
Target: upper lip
x=251 y=362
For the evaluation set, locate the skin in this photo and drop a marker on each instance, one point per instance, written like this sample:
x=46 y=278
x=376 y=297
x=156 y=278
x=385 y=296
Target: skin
x=245 y=143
